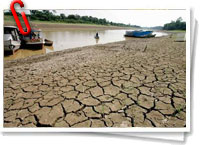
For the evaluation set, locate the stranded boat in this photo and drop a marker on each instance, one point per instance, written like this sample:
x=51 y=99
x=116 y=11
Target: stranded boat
x=33 y=40
x=140 y=34
x=12 y=40
x=48 y=42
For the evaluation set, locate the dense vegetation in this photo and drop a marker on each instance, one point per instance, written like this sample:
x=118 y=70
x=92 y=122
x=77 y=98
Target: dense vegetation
x=46 y=15
x=175 y=25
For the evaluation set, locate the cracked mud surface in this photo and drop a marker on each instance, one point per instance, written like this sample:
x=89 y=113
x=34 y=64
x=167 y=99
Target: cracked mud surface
x=133 y=83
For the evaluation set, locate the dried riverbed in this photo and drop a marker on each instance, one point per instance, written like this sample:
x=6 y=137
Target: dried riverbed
x=133 y=83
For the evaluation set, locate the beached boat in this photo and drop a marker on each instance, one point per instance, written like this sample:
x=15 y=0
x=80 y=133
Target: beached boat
x=48 y=42
x=12 y=40
x=33 y=40
x=140 y=34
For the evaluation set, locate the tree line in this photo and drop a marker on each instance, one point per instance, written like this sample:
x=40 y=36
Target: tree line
x=46 y=15
x=179 y=24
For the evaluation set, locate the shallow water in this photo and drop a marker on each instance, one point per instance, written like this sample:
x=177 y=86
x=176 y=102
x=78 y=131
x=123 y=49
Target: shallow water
x=70 y=38
x=78 y=38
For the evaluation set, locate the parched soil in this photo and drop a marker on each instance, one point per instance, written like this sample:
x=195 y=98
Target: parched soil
x=133 y=83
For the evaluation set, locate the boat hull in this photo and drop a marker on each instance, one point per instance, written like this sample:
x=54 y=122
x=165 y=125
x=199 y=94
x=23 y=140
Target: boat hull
x=48 y=42
x=12 y=40
x=33 y=46
x=139 y=34
x=11 y=45
x=148 y=36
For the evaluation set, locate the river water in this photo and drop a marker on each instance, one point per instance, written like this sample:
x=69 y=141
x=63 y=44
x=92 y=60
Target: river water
x=72 y=38
x=78 y=38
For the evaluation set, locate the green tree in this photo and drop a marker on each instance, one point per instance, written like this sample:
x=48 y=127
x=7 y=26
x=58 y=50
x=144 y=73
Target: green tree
x=175 y=25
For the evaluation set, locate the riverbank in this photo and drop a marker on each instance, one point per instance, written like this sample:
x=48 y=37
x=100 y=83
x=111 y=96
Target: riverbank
x=56 y=26
x=132 y=83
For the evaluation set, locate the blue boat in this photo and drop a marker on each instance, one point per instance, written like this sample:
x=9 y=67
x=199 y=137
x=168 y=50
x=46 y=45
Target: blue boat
x=140 y=34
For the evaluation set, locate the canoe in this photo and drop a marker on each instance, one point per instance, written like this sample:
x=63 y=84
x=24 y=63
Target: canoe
x=48 y=42
x=96 y=37
x=139 y=34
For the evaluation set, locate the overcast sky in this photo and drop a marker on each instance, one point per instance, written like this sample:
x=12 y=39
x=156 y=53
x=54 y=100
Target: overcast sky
x=145 y=18
x=135 y=17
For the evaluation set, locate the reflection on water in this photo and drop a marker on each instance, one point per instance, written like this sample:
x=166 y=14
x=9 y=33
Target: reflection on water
x=97 y=41
x=71 y=38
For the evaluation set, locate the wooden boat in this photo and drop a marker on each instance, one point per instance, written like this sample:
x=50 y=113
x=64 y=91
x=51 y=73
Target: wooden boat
x=139 y=34
x=33 y=44
x=12 y=40
x=48 y=42
x=33 y=40
x=96 y=37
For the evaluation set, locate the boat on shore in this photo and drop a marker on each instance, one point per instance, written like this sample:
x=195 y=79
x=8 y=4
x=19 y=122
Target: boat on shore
x=48 y=42
x=140 y=34
x=33 y=40
x=12 y=40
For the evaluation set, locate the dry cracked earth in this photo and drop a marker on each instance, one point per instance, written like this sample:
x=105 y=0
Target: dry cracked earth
x=132 y=83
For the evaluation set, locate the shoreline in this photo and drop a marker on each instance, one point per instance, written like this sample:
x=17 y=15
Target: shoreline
x=71 y=50
x=43 y=57
x=170 y=34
